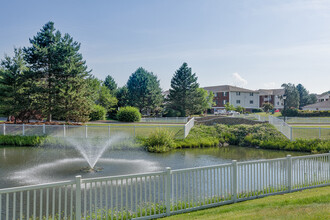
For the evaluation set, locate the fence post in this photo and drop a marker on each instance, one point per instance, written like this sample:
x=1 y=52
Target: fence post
x=78 y=197
x=320 y=133
x=4 y=128
x=64 y=133
x=134 y=130
x=168 y=191
x=44 y=129
x=23 y=131
x=86 y=135
x=109 y=131
x=235 y=180
x=329 y=165
x=289 y=172
x=290 y=133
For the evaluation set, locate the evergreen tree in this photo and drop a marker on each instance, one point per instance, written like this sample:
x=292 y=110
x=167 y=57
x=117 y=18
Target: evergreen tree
x=144 y=91
x=14 y=94
x=291 y=96
x=304 y=98
x=59 y=73
x=111 y=84
x=183 y=92
x=122 y=96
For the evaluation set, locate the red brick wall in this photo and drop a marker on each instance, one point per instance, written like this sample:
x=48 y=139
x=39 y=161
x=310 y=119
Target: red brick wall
x=219 y=99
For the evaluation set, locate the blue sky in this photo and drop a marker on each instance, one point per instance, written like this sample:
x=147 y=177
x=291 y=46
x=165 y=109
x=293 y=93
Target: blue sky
x=254 y=44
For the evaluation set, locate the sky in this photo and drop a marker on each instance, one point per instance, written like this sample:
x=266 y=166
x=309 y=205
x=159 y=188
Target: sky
x=249 y=43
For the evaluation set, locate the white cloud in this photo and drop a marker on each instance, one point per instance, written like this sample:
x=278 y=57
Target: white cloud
x=238 y=80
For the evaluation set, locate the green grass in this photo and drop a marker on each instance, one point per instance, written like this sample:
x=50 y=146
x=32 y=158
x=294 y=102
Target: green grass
x=311 y=126
x=276 y=114
x=307 y=204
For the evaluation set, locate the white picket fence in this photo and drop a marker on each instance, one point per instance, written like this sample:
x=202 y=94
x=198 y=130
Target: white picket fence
x=180 y=131
x=158 y=194
x=190 y=124
x=294 y=133
x=306 y=120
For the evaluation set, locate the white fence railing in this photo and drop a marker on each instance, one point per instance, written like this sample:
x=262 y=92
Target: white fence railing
x=190 y=124
x=180 y=131
x=157 y=194
x=294 y=133
x=170 y=120
x=252 y=117
x=306 y=120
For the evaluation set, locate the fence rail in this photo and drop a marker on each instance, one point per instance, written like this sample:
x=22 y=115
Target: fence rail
x=180 y=131
x=163 y=193
x=181 y=120
x=294 y=133
x=306 y=120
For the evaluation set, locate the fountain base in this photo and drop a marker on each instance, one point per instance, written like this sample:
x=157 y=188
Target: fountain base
x=91 y=170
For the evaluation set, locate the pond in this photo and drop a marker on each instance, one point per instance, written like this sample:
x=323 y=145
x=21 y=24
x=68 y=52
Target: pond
x=28 y=165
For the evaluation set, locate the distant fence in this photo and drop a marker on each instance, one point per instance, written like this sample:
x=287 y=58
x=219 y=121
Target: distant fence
x=169 y=120
x=180 y=131
x=252 y=117
x=306 y=120
x=158 y=194
x=294 y=133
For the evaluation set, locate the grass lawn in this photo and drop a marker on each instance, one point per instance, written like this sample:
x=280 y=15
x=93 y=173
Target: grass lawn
x=132 y=128
x=310 y=132
x=311 y=126
x=276 y=114
x=307 y=204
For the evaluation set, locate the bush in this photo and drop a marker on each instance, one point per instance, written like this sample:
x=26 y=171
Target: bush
x=160 y=140
x=172 y=113
x=305 y=113
x=256 y=110
x=129 y=114
x=98 y=113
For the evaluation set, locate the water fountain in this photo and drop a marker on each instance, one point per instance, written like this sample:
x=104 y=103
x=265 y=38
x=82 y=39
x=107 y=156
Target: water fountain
x=91 y=149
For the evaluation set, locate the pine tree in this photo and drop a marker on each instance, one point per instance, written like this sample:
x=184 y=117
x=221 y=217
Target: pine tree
x=14 y=94
x=184 y=91
x=111 y=84
x=144 y=91
x=58 y=72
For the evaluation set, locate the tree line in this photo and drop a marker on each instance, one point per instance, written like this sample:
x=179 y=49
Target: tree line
x=50 y=80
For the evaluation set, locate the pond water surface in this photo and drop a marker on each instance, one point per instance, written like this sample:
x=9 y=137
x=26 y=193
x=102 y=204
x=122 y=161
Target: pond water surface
x=28 y=165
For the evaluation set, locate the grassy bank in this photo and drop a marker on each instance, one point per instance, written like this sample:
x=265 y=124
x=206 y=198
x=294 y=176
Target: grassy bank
x=17 y=140
x=307 y=204
x=262 y=135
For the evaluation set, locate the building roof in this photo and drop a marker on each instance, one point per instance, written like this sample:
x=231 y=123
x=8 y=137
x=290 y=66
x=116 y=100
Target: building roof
x=325 y=104
x=227 y=88
x=271 y=91
x=323 y=96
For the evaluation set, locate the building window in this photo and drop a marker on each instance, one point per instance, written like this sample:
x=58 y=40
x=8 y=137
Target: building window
x=251 y=93
x=224 y=93
x=215 y=94
x=238 y=101
x=251 y=101
x=224 y=102
x=238 y=93
x=278 y=103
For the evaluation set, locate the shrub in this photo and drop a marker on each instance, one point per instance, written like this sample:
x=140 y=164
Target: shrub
x=172 y=113
x=160 y=140
x=98 y=113
x=16 y=140
x=129 y=114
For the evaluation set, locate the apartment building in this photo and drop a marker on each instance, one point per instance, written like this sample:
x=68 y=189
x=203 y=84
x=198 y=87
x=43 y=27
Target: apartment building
x=273 y=96
x=248 y=99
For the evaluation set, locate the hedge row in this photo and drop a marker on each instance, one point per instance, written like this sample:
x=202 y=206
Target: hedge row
x=305 y=113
